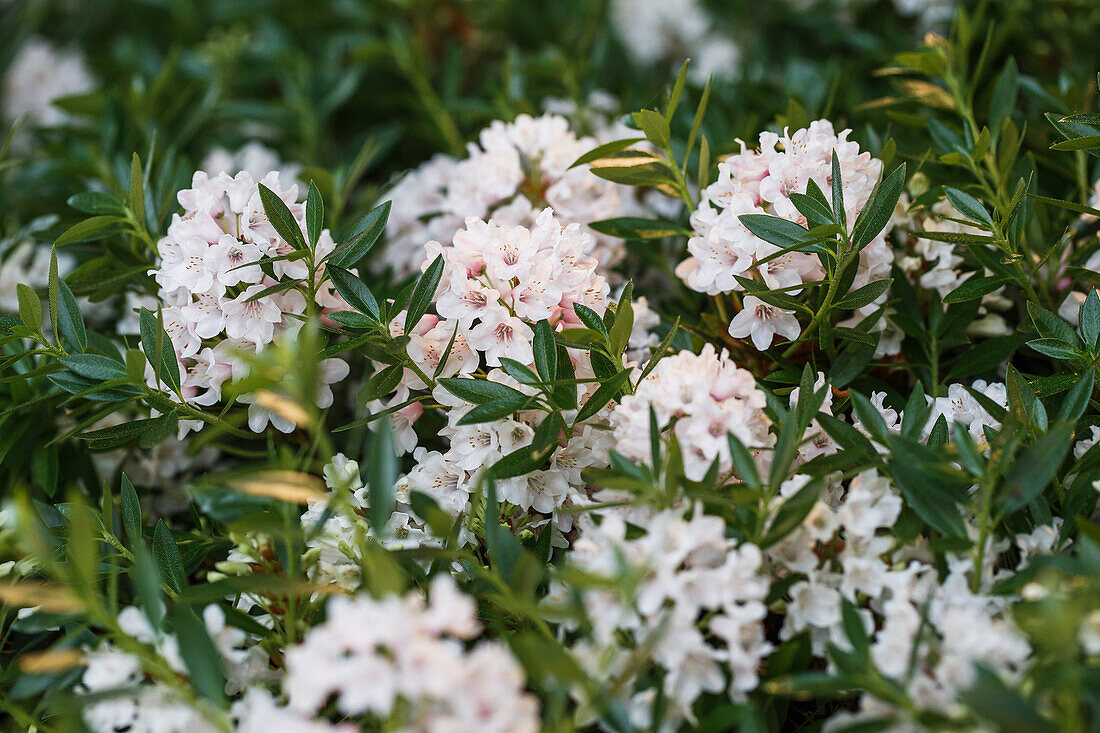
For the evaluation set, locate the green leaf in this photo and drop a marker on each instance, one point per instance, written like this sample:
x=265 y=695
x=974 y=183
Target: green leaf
x=607 y=149
x=956 y=237
x=696 y=126
x=866 y=295
x=603 y=394
x=382 y=469
x=1056 y=349
x=1022 y=400
x=969 y=207
x=1087 y=142
x=95 y=202
x=1077 y=399
x=361 y=238
x=974 y=288
x=381 y=383
x=315 y=214
x=743 y=462
x=146 y=581
x=1051 y=326
x=70 y=321
x=84 y=229
x=504 y=549
x=854 y=629
x=520 y=372
x=546 y=351
x=30 y=307
x=989 y=354
x=166 y=555
x=1002 y=707
x=1005 y=93
x=1036 y=467
x=155 y=340
x=839 y=214
x=94 y=366
x=590 y=318
x=496 y=409
x=354 y=291
x=137 y=191
x=876 y=214
x=423 y=293
x=634 y=168
x=200 y=656
x=618 y=335
x=479 y=391
x=281 y=218
x=774 y=230
x=870 y=417
x=351 y=319
x=1089 y=318
x=629 y=227
x=677 y=90
x=654 y=125
x=792 y=512
x=130 y=511
x=928 y=498
x=54 y=292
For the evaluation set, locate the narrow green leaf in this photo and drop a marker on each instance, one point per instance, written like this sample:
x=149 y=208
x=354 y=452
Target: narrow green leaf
x=382 y=470
x=166 y=555
x=354 y=291
x=546 y=351
x=315 y=214
x=361 y=238
x=876 y=214
x=200 y=656
x=280 y=217
x=423 y=293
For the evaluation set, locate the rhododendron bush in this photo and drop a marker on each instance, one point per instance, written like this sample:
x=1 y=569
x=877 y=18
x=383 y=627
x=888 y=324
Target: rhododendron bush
x=438 y=367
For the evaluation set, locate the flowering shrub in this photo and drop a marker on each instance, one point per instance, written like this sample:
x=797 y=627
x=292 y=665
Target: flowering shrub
x=477 y=404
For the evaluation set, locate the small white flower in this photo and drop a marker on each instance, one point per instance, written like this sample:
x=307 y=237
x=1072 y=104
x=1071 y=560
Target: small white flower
x=761 y=322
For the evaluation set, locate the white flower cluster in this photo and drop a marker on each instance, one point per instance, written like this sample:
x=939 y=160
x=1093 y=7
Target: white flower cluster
x=672 y=30
x=690 y=598
x=333 y=555
x=844 y=551
x=128 y=704
x=703 y=397
x=516 y=170
x=498 y=281
x=40 y=74
x=398 y=657
x=252 y=158
x=211 y=283
x=959 y=405
x=760 y=182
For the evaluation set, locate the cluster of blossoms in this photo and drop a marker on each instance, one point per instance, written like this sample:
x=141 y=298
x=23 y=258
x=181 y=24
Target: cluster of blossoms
x=691 y=600
x=925 y=633
x=396 y=658
x=336 y=526
x=498 y=281
x=760 y=182
x=935 y=265
x=702 y=398
x=516 y=170
x=653 y=31
x=38 y=75
x=217 y=263
x=254 y=159
x=125 y=701
x=959 y=405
